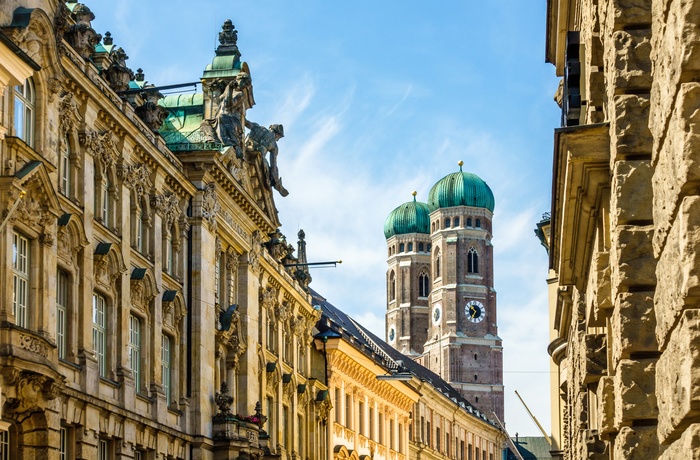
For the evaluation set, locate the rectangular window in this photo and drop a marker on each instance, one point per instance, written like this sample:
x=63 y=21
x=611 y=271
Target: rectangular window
x=437 y=439
x=20 y=278
x=338 y=401
x=348 y=412
x=217 y=278
x=105 y=204
x=135 y=350
x=64 y=447
x=65 y=169
x=381 y=429
x=165 y=366
x=391 y=434
x=372 y=435
x=285 y=428
x=103 y=450
x=138 y=226
x=61 y=312
x=4 y=445
x=99 y=332
x=138 y=455
x=470 y=449
x=271 y=429
x=301 y=448
x=361 y=415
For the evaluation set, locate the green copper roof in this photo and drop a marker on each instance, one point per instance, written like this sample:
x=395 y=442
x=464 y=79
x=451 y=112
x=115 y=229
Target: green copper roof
x=411 y=217
x=461 y=189
x=223 y=66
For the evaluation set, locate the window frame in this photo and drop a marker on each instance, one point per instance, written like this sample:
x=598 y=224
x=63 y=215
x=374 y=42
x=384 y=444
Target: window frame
x=24 y=111
x=135 y=350
x=100 y=331
x=21 y=278
x=63 y=283
x=166 y=367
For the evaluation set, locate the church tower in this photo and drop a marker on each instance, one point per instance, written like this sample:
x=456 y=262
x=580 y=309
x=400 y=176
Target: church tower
x=457 y=322
x=407 y=232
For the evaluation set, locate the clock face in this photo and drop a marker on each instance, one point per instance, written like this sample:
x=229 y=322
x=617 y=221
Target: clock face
x=392 y=334
x=475 y=311
x=437 y=314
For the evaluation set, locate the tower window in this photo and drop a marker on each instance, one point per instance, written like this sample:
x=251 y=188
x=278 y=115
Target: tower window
x=433 y=227
x=392 y=287
x=423 y=284
x=410 y=247
x=437 y=263
x=475 y=357
x=472 y=261
x=447 y=222
x=478 y=223
x=456 y=221
x=475 y=377
x=421 y=247
x=401 y=247
x=469 y=221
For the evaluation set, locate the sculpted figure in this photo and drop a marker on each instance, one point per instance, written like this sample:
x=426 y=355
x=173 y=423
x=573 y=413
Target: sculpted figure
x=226 y=128
x=264 y=140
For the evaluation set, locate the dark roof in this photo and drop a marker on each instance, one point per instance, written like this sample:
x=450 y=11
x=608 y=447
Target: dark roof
x=531 y=448
x=334 y=320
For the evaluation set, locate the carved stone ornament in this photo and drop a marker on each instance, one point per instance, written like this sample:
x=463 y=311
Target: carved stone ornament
x=33 y=344
x=27 y=392
x=118 y=74
x=223 y=400
x=103 y=146
x=210 y=205
x=277 y=245
x=136 y=177
x=167 y=206
x=69 y=118
x=150 y=112
x=255 y=249
x=268 y=299
x=323 y=408
x=81 y=36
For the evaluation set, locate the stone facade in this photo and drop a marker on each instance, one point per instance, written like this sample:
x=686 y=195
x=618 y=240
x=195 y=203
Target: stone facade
x=624 y=229
x=149 y=308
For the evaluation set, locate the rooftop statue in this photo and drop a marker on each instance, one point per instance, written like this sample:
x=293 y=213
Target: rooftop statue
x=226 y=127
x=264 y=140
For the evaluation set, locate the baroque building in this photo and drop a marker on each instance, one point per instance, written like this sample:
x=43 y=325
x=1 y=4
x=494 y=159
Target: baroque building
x=149 y=306
x=387 y=406
x=441 y=303
x=622 y=234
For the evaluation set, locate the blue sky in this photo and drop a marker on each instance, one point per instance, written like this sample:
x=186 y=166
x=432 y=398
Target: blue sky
x=380 y=98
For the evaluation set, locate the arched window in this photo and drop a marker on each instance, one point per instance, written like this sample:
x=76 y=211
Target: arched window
x=410 y=247
x=437 y=263
x=472 y=261
x=65 y=168
x=447 y=222
x=392 y=286
x=456 y=221
x=432 y=227
x=478 y=223
x=401 y=247
x=421 y=247
x=24 y=112
x=423 y=284
x=469 y=221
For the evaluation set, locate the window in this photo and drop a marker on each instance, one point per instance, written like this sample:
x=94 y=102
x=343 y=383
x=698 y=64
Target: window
x=423 y=284
x=24 y=112
x=447 y=222
x=361 y=414
x=470 y=451
x=65 y=168
x=472 y=261
x=437 y=439
x=4 y=445
x=391 y=434
x=348 y=412
x=103 y=450
x=271 y=335
x=456 y=221
x=421 y=247
x=66 y=443
x=392 y=286
x=61 y=312
x=401 y=247
x=165 y=360
x=20 y=278
x=99 y=332
x=469 y=221
x=138 y=227
x=302 y=437
x=285 y=428
x=478 y=225
x=106 y=208
x=217 y=278
x=427 y=432
x=135 y=350
x=336 y=407
x=380 y=438
x=410 y=247
x=271 y=420
x=437 y=263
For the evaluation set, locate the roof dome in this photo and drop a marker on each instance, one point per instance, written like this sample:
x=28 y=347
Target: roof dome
x=411 y=217
x=461 y=189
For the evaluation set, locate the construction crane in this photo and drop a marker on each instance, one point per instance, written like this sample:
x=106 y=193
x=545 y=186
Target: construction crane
x=534 y=419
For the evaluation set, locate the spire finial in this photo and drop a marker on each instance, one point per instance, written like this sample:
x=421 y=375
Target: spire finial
x=460 y=165
x=414 y=195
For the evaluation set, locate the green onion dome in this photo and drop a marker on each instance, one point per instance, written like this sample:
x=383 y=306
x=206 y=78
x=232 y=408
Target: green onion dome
x=411 y=217
x=461 y=189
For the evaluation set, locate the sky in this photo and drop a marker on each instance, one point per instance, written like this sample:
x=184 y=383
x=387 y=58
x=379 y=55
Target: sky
x=377 y=99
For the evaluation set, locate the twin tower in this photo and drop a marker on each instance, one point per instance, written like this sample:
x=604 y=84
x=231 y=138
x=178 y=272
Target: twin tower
x=441 y=304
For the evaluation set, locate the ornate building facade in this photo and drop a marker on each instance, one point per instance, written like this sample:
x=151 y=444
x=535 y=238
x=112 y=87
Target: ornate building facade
x=441 y=304
x=148 y=308
x=623 y=243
